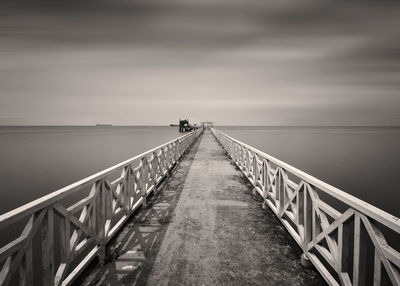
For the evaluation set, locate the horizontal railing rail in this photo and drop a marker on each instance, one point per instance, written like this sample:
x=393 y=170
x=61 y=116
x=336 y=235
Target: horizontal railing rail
x=59 y=239
x=349 y=241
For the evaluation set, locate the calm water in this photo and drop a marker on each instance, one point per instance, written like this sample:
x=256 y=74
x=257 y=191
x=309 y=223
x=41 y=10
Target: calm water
x=361 y=161
x=38 y=160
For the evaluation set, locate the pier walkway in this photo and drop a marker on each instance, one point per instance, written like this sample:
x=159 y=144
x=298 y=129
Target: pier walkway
x=204 y=226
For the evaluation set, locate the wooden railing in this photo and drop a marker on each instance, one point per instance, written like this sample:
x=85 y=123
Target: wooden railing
x=55 y=242
x=349 y=241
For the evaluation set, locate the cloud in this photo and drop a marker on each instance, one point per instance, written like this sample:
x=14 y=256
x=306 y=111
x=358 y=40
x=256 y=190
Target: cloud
x=78 y=62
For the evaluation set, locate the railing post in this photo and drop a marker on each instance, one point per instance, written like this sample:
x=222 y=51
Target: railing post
x=177 y=150
x=163 y=161
x=280 y=189
x=255 y=173
x=233 y=155
x=240 y=155
x=180 y=148
x=48 y=247
x=107 y=196
x=247 y=162
x=360 y=250
x=237 y=151
x=265 y=181
x=101 y=220
x=154 y=170
x=308 y=210
x=65 y=234
x=131 y=193
x=345 y=246
x=167 y=157
x=143 y=179
x=124 y=188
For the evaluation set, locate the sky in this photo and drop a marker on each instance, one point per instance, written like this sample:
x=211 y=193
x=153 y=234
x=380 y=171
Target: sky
x=247 y=62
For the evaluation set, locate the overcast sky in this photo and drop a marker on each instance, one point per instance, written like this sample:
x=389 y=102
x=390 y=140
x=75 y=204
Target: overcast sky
x=248 y=62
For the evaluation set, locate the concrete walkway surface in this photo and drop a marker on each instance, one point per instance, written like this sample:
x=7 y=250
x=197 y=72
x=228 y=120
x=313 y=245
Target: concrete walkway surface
x=204 y=227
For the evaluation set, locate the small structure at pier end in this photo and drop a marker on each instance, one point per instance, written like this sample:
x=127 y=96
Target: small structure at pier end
x=185 y=126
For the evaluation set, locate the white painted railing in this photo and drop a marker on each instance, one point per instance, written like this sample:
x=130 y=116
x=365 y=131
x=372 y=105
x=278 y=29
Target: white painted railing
x=58 y=242
x=344 y=237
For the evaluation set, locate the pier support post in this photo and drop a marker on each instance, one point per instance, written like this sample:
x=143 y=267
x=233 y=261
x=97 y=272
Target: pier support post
x=305 y=261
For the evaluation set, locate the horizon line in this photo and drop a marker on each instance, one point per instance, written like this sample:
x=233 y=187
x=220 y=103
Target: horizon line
x=168 y=125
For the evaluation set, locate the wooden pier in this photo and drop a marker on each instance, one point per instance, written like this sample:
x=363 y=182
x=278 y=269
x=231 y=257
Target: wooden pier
x=184 y=213
x=204 y=227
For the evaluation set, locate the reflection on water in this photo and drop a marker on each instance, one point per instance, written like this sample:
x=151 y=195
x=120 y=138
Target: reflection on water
x=362 y=161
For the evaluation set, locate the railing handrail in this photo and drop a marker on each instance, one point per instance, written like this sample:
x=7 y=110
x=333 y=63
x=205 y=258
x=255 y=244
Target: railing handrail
x=329 y=238
x=382 y=216
x=47 y=200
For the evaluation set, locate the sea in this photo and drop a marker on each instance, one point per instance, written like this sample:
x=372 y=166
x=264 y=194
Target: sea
x=362 y=161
